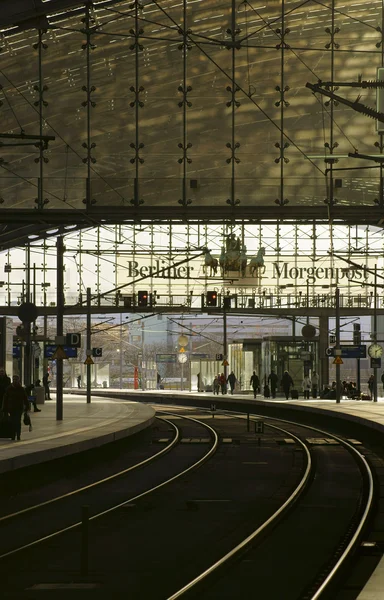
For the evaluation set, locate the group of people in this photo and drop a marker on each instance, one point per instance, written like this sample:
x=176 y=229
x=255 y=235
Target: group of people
x=309 y=385
x=16 y=400
x=220 y=383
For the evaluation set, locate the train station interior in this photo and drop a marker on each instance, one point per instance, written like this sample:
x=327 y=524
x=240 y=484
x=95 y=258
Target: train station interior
x=191 y=216
x=212 y=170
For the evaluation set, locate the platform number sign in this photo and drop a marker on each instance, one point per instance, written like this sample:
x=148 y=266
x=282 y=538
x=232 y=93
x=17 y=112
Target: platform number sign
x=219 y=357
x=97 y=352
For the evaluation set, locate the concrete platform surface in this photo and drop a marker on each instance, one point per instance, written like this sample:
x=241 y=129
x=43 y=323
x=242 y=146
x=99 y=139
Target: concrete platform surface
x=84 y=426
x=367 y=412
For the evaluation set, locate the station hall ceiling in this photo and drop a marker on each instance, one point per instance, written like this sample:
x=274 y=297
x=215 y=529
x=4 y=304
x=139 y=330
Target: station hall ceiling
x=192 y=111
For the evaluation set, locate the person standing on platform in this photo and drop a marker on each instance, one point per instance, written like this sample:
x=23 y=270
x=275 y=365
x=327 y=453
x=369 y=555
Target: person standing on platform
x=223 y=384
x=286 y=383
x=315 y=384
x=382 y=380
x=30 y=391
x=272 y=380
x=232 y=381
x=306 y=387
x=371 y=384
x=79 y=381
x=46 y=383
x=255 y=383
x=15 y=402
x=5 y=382
x=216 y=385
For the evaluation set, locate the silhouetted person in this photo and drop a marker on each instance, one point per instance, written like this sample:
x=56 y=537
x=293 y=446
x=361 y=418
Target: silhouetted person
x=255 y=383
x=5 y=382
x=272 y=380
x=232 y=381
x=371 y=384
x=15 y=402
x=79 y=381
x=286 y=383
x=46 y=383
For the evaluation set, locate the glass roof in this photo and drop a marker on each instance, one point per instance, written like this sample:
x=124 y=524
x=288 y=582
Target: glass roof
x=164 y=103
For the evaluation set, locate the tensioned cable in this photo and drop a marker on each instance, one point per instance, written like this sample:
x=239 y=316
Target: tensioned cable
x=245 y=93
x=66 y=173
x=276 y=20
x=57 y=133
x=340 y=12
x=161 y=25
x=13 y=112
x=307 y=67
x=92 y=222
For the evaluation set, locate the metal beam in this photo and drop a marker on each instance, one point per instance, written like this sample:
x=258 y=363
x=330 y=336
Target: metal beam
x=99 y=215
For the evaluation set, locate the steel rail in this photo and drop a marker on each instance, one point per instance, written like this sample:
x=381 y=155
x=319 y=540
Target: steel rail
x=340 y=562
x=208 y=454
x=249 y=539
x=99 y=481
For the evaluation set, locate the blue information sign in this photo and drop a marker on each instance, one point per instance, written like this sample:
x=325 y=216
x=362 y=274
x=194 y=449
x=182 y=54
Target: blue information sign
x=16 y=351
x=49 y=351
x=349 y=351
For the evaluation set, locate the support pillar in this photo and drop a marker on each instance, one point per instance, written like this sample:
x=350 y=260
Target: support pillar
x=323 y=345
x=59 y=325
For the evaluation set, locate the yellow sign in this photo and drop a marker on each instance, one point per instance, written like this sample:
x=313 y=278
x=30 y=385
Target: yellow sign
x=89 y=361
x=182 y=350
x=59 y=353
x=225 y=363
x=338 y=360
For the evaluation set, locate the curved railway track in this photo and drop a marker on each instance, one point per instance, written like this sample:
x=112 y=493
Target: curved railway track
x=251 y=516
x=229 y=579
x=21 y=528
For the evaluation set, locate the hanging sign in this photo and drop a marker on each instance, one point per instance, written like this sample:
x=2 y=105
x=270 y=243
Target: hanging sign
x=338 y=360
x=59 y=354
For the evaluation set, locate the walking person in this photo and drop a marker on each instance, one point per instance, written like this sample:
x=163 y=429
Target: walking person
x=307 y=384
x=315 y=384
x=255 y=383
x=79 y=381
x=15 y=402
x=216 y=385
x=223 y=384
x=371 y=384
x=46 y=382
x=5 y=382
x=232 y=381
x=286 y=383
x=272 y=380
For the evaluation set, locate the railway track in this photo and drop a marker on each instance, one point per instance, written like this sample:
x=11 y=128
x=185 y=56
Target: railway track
x=251 y=515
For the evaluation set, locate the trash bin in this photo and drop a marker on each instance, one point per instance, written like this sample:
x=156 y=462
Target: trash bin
x=39 y=392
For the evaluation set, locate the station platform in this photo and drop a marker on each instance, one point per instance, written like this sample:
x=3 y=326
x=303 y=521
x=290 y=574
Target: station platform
x=365 y=412
x=84 y=426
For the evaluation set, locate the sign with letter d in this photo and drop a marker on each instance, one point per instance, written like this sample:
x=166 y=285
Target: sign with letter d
x=73 y=339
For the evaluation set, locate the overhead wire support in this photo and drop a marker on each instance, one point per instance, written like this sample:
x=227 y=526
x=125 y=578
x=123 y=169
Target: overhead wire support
x=356 y=105
x=374 y=84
